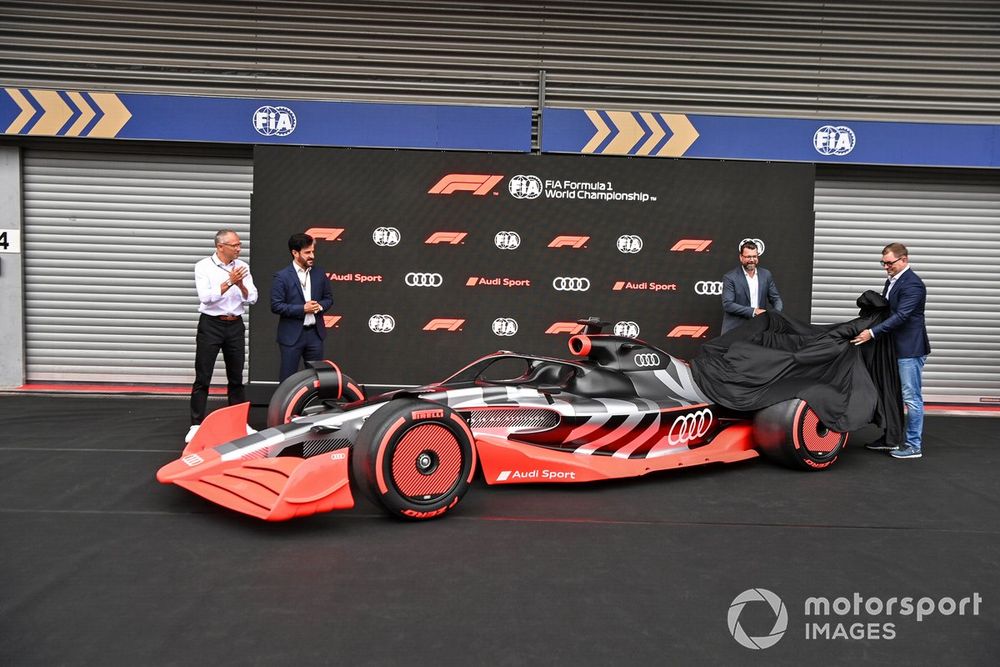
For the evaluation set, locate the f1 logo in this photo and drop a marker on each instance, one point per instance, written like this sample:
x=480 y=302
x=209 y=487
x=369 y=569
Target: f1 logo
x=571 y=328
x=569 y=241
x=688 y=331
x=698 y=245
x=439 y=324
x=330 y=321
x=477 y=184
x=453 y=238
x=325 y=233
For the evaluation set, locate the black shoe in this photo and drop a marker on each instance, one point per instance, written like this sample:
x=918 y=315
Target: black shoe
x=880 y=446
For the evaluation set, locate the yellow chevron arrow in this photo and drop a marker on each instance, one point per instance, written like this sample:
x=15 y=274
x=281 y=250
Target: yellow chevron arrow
x=86 y=114
x=55 y=112
x=27 y=111
x=658 y=133
x=602 y=132
x=115 y=115
x=629 y=132
x=684 y=135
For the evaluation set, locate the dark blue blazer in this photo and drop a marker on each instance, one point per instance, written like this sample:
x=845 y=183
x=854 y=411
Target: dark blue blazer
x=287 y=302
x=736 y=308
x=906 y=321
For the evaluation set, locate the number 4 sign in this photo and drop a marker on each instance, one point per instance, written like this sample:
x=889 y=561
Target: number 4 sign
x=10 y=240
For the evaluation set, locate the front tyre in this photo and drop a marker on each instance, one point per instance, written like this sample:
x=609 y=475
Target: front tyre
x=792 y=434
x=414 y=458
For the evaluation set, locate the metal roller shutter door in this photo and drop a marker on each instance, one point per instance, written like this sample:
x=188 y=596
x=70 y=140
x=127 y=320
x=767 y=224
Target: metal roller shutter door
x=950 y=222
x=110 y=243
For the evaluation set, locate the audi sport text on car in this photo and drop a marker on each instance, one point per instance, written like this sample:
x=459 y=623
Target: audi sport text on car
x=618 y=408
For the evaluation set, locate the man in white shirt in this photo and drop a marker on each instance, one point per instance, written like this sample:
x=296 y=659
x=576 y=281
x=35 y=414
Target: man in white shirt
x=747 y=289
x=225 y=289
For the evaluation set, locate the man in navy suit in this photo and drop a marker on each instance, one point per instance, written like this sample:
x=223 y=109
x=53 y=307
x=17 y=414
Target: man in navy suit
x=907 y=298
x=747 y=289
x=300 y=293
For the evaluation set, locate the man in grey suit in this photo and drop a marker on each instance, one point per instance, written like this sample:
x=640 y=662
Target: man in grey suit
x=747 y=290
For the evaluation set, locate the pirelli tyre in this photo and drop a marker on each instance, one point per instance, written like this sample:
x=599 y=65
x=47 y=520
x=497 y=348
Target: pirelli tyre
x=792 y=434
x=311 y=389
x=414 y=458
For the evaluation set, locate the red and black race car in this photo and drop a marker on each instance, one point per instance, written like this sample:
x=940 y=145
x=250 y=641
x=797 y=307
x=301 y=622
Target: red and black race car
x=619 y=408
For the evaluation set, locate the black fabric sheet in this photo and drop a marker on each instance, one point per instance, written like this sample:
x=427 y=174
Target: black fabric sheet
x=773 y=358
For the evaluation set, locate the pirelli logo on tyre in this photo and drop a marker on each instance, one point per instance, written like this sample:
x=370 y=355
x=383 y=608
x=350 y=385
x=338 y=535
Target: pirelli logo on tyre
x=427 y=414
x=571 y=284
x=708 y=287
x=477 y=184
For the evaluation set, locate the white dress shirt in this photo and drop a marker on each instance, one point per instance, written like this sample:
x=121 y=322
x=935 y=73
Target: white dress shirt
x=306 y=284
x=209 y=274
x=754 y=291
x=892 y=281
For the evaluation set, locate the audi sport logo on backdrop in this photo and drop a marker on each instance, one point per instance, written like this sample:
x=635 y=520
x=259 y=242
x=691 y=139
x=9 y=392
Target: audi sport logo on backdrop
x=644 y=286
x=627 y=329
x=690 y=427
x=708 y=287
x=756 y=242
x=571 y=328
x=452 y=238
x=647 y=360
x=525 y=187
x=480 y=281
x=688 y=331
x=381 y=323
x=697 y=245
x=444 y=324
x=505 y=326
x=507 y=240
x=629 y=244
x=477 y=184
x=413 y=279
x=386 y=236
x=569 y=242
x=570 y=284
x=325 y=233
x=274 y=121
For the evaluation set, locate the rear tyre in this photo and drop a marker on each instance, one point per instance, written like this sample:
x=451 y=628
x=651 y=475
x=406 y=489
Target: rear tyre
x=303 y=393
x=791 y=433
x=414 y=458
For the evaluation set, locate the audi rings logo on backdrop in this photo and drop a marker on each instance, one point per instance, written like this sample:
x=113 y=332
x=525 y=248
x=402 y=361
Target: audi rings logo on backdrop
x=629 y=244
x=708 y=287
x=570 y=284
x=689 y=427
x=507 y=240
x=423 y=279
x=525 y=187
x=780 y=618
x=386 y=236
x=505 y=326
x=647 y=360
x=381 y=323
x=756 y=242
x=627 y=329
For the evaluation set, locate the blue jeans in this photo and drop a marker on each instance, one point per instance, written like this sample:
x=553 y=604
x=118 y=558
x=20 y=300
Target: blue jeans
x=910 y=377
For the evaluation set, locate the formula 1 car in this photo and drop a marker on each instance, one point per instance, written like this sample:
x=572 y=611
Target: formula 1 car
x=619 y=408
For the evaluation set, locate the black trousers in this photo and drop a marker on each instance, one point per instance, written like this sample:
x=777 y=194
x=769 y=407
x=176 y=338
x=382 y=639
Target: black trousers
x=214 y=335
x=309 y=347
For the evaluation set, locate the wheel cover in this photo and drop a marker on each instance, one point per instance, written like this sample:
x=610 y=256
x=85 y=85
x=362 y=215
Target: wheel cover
x=818 y=440
x=412 y=474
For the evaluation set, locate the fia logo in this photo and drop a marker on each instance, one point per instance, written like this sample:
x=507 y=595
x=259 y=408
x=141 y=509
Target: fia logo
x=386 y=236
x=525 y=187
x=834 y=140
x=505 y=326
x=629 y=244
x=274 y=121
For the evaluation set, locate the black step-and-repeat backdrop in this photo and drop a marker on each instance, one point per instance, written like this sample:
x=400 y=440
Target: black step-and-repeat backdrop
x=438 y=258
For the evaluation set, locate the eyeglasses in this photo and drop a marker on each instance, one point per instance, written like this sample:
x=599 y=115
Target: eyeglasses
x=233 y=245
x=890 y=263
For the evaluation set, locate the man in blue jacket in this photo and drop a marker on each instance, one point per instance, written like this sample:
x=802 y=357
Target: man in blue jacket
x=300 y=293
x=747 y=289
x=907 y=298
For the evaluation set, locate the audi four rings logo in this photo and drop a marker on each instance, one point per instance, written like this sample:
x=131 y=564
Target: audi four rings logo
x=525 y=187
x=423 y=280
x=708 y=287
x=647 y=360
x=381 y=323
x=689 y=427
x=627 y=329
x=629 y=244
x=505 y=326
x=756 y=242
x=571 y=284
x=507 y=240
x=386 y=236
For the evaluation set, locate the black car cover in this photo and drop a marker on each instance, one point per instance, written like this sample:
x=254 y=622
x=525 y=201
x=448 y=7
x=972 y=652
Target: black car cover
x=773 y=358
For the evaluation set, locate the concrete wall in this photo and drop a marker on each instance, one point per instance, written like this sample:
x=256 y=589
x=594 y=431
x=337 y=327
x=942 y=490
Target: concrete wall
x=11 y=270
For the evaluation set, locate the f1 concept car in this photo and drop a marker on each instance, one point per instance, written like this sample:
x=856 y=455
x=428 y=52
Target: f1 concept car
x=619 y=408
